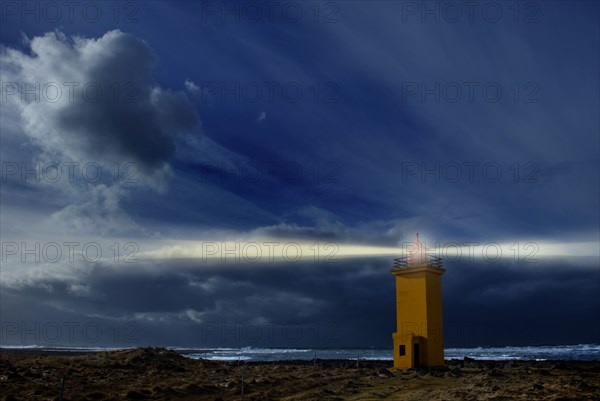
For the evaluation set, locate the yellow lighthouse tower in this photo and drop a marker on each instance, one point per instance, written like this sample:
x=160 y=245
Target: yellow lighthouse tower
x=418 y=340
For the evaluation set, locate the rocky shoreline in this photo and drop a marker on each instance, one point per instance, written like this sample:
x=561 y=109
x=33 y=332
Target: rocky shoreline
x=157 y=374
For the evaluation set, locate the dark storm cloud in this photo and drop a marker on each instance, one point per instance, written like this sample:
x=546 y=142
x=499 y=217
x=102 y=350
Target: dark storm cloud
x=353 y=300
x=190 y=297
x=541 y=303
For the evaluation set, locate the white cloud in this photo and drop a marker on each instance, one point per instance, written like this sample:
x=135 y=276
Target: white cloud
x=191 y=86
x=81 y=100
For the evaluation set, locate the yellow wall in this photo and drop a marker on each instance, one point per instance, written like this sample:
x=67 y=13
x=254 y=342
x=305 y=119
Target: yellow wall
x=419 y=316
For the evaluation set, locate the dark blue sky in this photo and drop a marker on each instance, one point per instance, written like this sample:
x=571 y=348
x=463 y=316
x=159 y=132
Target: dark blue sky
x=344 y=122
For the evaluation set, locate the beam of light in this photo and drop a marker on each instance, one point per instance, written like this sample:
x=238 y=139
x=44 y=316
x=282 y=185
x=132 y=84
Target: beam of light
x=282 y=251
x=267 y=250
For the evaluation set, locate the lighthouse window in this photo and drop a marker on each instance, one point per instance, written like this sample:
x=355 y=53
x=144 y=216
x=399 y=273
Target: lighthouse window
x=402 y=350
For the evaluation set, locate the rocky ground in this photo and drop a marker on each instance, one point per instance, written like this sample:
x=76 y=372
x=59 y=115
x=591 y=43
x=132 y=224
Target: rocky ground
x=157 y=374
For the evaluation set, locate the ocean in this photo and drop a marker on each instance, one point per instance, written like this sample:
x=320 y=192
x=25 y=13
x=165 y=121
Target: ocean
x=580 y=352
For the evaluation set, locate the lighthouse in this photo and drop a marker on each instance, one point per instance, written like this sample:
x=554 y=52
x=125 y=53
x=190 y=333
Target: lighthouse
x=418 y=340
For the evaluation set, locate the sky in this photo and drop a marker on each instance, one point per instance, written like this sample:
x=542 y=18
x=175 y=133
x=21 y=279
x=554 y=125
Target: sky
x=206 y=173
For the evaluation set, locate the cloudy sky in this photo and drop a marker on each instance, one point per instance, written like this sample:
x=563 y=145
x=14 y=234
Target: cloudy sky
x=200 y=173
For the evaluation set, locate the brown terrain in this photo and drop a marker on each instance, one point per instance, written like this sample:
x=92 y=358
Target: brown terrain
x=160 y=374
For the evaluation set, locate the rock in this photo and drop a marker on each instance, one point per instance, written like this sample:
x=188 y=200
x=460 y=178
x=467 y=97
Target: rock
x=135 y=395
x=545 y=372
x=195 y=389
x=96 y=395
x=384 y=373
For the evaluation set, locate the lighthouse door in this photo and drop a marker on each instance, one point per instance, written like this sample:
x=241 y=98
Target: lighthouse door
x=416 y=355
